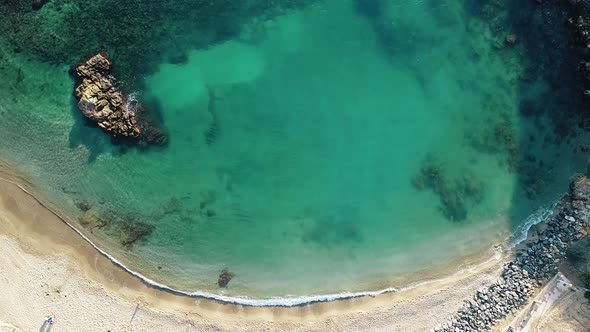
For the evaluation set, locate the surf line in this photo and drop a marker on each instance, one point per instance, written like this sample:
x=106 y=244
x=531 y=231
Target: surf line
x=270 y=302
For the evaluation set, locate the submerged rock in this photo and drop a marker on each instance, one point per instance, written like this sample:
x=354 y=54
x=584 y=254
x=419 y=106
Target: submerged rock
x=92 y=218
x=133 y=230
x=37 y=4
x=224 y=278
x=83 y=205
x=102 y=101
x=511 y=39
x=456 y=194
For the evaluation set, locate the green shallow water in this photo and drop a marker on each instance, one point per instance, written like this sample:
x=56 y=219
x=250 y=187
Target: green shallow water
x=296 y=150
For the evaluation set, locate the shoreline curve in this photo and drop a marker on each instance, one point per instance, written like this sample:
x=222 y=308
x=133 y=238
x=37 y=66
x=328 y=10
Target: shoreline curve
x=513 y=240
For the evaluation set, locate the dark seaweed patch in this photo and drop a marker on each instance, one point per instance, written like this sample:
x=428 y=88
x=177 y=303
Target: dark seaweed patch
x=368 y=8
x=456 y=194
x=341 y=229
x=211 y=134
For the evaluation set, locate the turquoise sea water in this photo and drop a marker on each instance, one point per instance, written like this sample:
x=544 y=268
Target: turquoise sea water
x=339 y=146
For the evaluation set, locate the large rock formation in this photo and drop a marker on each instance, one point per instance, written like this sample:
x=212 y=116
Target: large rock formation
x=102 y=101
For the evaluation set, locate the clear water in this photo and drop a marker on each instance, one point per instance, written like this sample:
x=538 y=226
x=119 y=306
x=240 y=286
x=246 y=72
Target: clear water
x=296 y=150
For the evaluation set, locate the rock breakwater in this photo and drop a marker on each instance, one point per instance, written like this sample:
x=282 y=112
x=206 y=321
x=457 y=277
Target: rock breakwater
x=535 y=262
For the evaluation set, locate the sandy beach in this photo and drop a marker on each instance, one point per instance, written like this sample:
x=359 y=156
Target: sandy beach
x=48 y=270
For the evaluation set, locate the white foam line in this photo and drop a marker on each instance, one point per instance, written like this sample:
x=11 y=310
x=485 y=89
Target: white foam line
x=520 y=234
x=283 y=302
x=277 y=301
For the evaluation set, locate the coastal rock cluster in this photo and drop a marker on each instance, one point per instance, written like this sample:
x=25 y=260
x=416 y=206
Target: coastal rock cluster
x=533 y=265
x=102 y=101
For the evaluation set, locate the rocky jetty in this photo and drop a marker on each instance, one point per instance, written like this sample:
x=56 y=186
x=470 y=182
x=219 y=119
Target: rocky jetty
x=101 y=100
x=533 y=265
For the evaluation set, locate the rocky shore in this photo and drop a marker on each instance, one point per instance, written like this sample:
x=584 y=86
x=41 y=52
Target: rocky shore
x=535 y=262
x=102 y=101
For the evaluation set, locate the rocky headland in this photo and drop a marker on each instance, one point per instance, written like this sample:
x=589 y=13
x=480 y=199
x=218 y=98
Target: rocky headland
x=535 y=262
x=101 y=100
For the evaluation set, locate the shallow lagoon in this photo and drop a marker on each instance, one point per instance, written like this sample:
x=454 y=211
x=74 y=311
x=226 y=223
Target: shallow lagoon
x=338 y=147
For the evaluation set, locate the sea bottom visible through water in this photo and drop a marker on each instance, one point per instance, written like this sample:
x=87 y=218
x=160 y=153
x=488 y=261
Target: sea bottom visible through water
x=329 y=149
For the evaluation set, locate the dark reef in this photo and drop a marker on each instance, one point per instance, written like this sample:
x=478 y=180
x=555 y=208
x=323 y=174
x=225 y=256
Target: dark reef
x=550 y=38
x=456 y=194
x=554 y=36
x=137 y=34
x=579 y=21
x=128 y=228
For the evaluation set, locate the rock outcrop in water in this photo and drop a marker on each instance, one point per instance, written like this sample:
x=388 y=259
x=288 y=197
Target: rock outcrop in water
x=224 y=278
x=535 y=263
x=102 y=101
